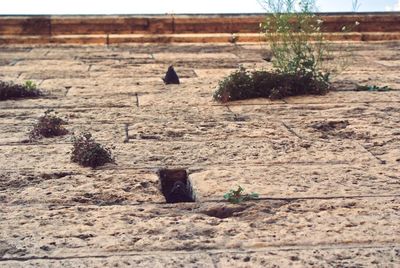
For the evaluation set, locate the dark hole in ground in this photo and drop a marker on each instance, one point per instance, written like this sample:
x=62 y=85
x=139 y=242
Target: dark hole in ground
x=330 y=125
x=223 y=212
x=176 y=186
x=100 y=199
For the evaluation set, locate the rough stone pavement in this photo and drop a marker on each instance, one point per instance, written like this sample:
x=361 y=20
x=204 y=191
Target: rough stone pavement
x=329 y=197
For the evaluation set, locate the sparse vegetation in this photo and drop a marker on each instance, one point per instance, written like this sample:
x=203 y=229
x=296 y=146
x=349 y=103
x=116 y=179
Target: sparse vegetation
x=48 y=125
x=298 y=51
x=295 y=35
x=10 y=91
x=88 y=153
x=238 y=196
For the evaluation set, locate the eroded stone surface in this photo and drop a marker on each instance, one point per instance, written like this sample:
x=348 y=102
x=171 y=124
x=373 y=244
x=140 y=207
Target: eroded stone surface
x=326 y=167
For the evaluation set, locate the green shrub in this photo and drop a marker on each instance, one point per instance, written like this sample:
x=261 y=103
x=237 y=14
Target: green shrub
x=236 y=86
x=295 y=35
x=298 y=49
x=243 y=84
x=298 y=54
x=88 y=153
x=10 y=91
x=48 y=125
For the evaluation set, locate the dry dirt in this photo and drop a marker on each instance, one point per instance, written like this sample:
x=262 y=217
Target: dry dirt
x=327 y=168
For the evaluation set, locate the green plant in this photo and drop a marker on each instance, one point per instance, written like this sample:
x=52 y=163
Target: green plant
x=88 y=153
x=297 y=42
x=299 y=54
x=48 y=125
x=243 y=84
x=237 y=196
x=234 y=87
x=372 y=88
x=30 y=85
x=10 y=91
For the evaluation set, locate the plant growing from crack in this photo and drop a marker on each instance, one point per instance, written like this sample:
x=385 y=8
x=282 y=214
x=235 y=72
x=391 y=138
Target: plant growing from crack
x=30 y=85
x=88 y=153
x=299 y=54
x=295 y=34
x=243 y=84
x=11 y=91
x=238 y=196
x=49 y=125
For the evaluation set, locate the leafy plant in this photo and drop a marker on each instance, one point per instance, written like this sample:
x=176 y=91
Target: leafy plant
x=243 y=84
x=237 y=196
x=296 y=38
x=298 y=53
x=48 y=125
x=30 y=85
x=10 y=91
x=88 y=153
x=373 y=88
x=236 y=86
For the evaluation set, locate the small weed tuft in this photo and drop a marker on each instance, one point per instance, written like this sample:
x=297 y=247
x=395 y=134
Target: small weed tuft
x=10 y=91
x=237 y=196
x=88 y=153
x=48 y=125
x=30 y=85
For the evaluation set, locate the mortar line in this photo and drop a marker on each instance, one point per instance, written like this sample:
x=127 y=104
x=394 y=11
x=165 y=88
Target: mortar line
x=126 y=133
x=300 y=247
x=143 y=117
x=381 y=161
x=191 y=105
x=212 y=165
x=213 y=261
x=235 y=116
x=207 y=201
x=300 y=103
x=67 y=91
x=94 y=107
x=160 y=140
x=14 y=62
x=291 y=130
x=191 y=170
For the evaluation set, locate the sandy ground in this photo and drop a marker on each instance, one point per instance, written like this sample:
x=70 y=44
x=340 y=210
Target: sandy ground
x=329 y=198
